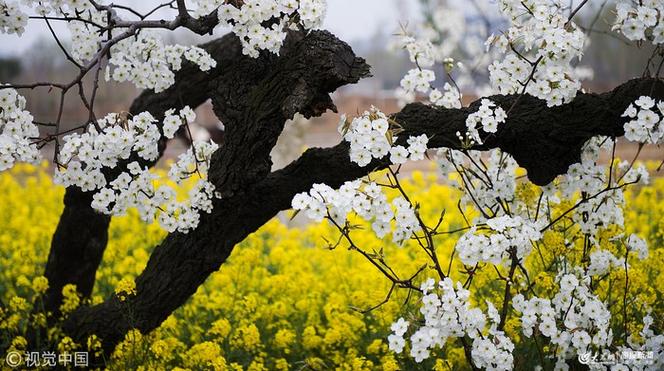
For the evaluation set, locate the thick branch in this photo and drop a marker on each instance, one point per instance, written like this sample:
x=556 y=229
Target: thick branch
x=255 y=97
x=203 y=25
x=545 y=141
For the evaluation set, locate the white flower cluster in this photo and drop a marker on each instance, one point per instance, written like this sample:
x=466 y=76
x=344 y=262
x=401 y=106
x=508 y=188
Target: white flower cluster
x=601 y=207
x=638 y=245
x=646 y=124
x=85 y=35
x=86 y=40
x=149 y=64
x=417 y=147
x=172 y=122
x=62 y=7
x=424 y=55
x=248 y=20
x=483 y=187
x=575 y=320
x=494 y=352
x=541 y=32
x=418 y=80
x=145 y=60
x=85 y=156
x=448 y=314
x=597 y=212
x=315 y=203
x=136 y=189
x=488 y=117
x=601 y=261
x=12 y=19
x=649 y=342
x=406 y=220
x=507 y=235
x=370 y=136
x=369 y=202
x=589 y=178
x=17 y=131
x=634 y=173
x=641 y=20
x=195 y=160
x=448 y=98
x=447 y=34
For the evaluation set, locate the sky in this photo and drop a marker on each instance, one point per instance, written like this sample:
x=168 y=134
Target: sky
x=350 y=20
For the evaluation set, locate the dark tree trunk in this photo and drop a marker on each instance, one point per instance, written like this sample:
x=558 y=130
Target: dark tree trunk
x=254 y=98
x=76 y=248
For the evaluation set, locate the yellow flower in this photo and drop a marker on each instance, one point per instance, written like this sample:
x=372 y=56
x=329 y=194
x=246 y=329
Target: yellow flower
x=315 y=363
x=125 y=288
x=546 y=282
x=19 y=342
x=281 y=364
x=389 y=363
x=160 y=348
x=19 y=304
x=94 y=345
x=247 y=337
x=23 y=281
x=70 y=299
x=441 y=365
x=221 y=328
x=66 y=345
x=333 y=336
x=40 y=284
x=309 y=338
x=256 y=365
x=375 y=346
x=207 y=354
x=284 y=338
x=39 y=319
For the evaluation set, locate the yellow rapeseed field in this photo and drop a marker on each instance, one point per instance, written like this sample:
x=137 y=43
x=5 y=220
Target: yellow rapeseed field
x=284 y=300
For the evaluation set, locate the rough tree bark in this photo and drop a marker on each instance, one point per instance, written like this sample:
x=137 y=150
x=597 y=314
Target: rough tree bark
x=255 y=97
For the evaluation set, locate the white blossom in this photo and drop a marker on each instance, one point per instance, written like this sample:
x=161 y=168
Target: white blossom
x=647 y=124
x=640 y=20
x=447 y=313
x=488 y=117
x=539 y=48
x=12 y=19
x=247 y=21
x=85 y=157
x=370 y=137
x=18 y=133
